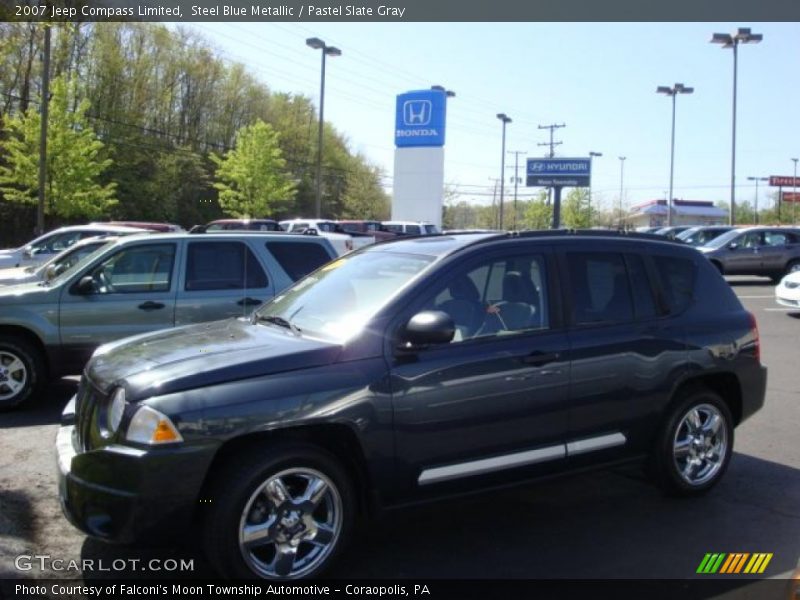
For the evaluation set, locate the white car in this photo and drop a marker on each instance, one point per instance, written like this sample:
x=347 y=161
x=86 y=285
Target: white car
x=411 y=227
x=787 y=292
x=341 y=242
x=56 y=265
x=48 y=245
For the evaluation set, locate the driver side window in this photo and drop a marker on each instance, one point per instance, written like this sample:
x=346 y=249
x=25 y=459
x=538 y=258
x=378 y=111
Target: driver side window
x=134 y=270
x=497 y=297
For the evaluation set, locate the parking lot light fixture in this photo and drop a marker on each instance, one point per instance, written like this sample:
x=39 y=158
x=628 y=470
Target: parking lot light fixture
x=794 y=192
x=755 y=211
x=506 y=120
x=318 y=44
x=742 y=36
x=621 y=175
x=673 y=91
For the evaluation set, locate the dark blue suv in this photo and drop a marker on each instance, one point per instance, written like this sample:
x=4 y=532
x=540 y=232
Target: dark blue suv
x=412 y=370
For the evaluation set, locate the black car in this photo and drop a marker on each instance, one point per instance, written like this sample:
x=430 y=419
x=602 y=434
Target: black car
x=412 y=370
x=703 y=234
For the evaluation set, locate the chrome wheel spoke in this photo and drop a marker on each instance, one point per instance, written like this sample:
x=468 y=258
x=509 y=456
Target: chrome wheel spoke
x=15 y=365
x=14 y=385
x=712 y=425
x=276 y=491
x=258 y=534
x=687 y=470
x=315 y=491
x=324 y=536
x=284 y=561
x=693 y=419
x=681 y=449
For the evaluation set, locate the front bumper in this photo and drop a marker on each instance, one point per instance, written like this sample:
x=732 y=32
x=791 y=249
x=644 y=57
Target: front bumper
x=125 y=494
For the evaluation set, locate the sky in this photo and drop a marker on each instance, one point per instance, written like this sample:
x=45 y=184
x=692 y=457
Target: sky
x=599 y=79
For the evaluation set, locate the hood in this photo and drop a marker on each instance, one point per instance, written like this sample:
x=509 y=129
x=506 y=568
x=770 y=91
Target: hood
x=10 y=258
x=196 y=356
x=23 y=293
x=16 y=276
x=793 y=278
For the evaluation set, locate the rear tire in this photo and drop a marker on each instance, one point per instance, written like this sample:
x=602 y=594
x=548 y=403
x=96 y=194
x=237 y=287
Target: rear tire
x=695 y=444
x=22 y=372
x=283 y=512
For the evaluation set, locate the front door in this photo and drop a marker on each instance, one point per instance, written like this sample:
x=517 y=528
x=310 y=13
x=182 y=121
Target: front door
x=492 y=403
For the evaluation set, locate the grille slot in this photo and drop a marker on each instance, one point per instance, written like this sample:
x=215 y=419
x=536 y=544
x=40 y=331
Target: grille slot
x=88 y=399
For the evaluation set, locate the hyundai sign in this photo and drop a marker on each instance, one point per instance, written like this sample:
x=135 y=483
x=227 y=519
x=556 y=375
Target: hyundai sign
x=558 y=172
x=420 y=118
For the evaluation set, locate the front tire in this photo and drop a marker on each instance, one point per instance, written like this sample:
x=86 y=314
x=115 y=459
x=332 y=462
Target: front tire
x=695 y=444
x=22 y=372
x=284 y=512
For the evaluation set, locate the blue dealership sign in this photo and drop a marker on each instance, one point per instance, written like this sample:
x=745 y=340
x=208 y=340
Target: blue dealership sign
x=558 y=172
x=420 y=118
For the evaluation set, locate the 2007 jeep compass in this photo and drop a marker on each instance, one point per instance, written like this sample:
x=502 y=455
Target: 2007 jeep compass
x=409 y=371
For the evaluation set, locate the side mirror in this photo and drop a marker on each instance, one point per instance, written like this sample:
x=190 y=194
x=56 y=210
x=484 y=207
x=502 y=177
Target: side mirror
x=27 y=252
x=310 y=231
x=50 y=272
x=86 y=285
x=733 y=246
x=428 y=327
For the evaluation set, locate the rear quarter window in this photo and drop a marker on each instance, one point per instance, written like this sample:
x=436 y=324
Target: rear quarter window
x=298 y=259
x=677 y=279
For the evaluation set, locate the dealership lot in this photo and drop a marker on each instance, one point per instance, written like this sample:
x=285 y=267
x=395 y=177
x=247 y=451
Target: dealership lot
x=603 y=525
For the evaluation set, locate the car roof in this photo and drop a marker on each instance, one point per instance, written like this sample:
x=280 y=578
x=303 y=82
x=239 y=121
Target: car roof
x=242 y=221
x=221 y=235
x=443 y=245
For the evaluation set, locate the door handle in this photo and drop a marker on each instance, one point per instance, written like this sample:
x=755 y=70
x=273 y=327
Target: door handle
x=249 y=302
x=150 y=305
x=539 y=359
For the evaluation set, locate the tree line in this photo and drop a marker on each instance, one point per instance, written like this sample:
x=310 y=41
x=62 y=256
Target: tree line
x=150 y=123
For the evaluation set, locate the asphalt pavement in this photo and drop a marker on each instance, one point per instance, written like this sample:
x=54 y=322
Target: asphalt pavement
x=609 y=524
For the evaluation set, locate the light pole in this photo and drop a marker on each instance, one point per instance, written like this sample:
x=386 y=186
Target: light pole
x=591 y=156
x=742 y=36
x=621 y=174
x=673 y=91
x=506 y=120
x=794 y=192
x=755 y=212
x=318 y=44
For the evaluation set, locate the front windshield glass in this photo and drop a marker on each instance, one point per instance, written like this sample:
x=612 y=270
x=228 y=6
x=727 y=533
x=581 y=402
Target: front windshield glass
x=77 y=265
x=685 y=235
x=725 y=238
x=336 y=302
x=68 y=258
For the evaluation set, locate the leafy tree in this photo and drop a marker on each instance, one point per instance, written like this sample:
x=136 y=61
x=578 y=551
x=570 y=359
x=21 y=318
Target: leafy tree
x=575 y=209
x=537 y=214
x=251 y=178
x=74 y=164
x=364 y=198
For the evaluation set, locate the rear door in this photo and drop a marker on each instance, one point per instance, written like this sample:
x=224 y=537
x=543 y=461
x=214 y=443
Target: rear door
x=780 y=246
x=220 y=279
x=620 y=351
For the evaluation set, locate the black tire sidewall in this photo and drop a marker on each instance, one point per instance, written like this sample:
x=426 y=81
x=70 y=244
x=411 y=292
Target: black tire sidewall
x=233 y=488
x=31 y=358
x=668 y=476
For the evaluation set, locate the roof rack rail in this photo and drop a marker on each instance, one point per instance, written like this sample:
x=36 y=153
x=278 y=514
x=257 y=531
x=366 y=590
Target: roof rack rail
x=592 y=233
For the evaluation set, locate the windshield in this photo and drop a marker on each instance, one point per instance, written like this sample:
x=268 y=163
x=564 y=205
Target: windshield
x=336 y=302
x=75 y=266
x=699 y=237
x=685 y=235
x=68 y=258
x=725 y=238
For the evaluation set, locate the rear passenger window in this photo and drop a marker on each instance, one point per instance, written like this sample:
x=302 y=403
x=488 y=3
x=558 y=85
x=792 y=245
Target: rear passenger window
x=222 y=266
x=644 y=303
x=677 y=281
x=600 y=290
x=298 y=259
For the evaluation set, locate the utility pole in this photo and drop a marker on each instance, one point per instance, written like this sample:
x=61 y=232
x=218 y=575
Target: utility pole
x=43 y=132
x=552 y=145
x=516 y=154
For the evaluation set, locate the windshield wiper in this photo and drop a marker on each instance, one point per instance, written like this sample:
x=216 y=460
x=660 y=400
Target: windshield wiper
x=279 y=321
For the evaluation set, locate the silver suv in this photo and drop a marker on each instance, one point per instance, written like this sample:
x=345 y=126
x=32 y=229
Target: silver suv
x=139 y=284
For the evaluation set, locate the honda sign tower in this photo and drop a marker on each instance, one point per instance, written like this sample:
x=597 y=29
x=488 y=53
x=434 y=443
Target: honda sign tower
x=419 y=156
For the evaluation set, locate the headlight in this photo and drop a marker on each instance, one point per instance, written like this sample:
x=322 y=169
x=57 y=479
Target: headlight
x=148 y=426
x=116 y=408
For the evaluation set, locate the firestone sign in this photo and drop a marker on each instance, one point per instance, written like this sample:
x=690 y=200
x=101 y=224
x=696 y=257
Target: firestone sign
x=558 y=172
x=781 y=181
x=420 y=118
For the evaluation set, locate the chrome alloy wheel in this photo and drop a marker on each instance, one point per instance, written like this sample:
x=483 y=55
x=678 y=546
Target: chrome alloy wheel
x=13 y=375
x=290 y=524
x=700 y=444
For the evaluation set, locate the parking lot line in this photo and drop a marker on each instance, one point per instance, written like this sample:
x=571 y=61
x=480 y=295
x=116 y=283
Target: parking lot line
x=787 y=309
x=753 y=297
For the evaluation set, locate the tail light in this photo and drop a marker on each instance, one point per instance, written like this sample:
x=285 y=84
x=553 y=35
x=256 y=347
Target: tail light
x=756 y=337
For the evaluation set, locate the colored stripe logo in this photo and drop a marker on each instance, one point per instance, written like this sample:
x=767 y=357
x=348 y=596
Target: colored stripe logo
x=734 y=563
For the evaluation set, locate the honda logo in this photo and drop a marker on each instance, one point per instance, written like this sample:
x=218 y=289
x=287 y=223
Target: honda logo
x=417 y=112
